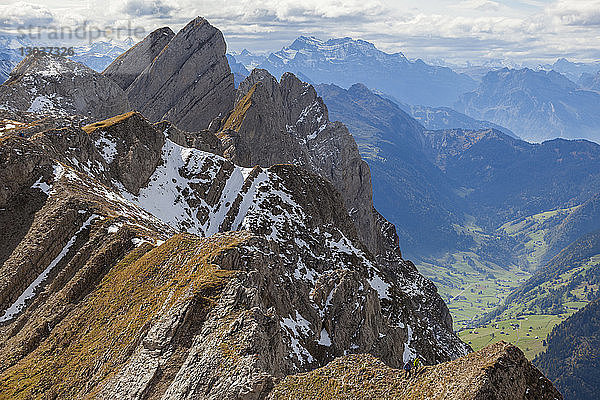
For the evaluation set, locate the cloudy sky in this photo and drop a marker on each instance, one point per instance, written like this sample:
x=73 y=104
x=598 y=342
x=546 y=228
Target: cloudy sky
x=457 y=31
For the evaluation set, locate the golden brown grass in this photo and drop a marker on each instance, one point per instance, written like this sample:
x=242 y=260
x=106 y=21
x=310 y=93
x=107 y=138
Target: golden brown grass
x=96 y=339
x=234 y=122
x=107 y=122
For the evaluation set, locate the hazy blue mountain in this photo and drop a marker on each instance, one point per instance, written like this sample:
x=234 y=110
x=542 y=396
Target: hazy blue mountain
x=426 y=181
x=238 y=70
x=345 y=61
x=536 y=105
x=506 y=178
x=590 y=81
x=572 y=70
x=408 y=188
x=248 y=59
x=10 y=53
x=435 y=118
x=99 y=55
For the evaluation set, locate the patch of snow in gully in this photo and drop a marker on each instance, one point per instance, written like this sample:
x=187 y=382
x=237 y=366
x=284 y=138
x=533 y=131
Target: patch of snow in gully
x=30 y=292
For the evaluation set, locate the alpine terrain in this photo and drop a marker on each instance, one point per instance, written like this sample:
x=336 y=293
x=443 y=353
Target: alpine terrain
x=166 y=235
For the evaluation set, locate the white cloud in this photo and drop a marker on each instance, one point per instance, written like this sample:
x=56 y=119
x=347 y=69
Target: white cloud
x=143 y=8
x=576 y=12
x=25 y=14
x=479 y=5
x=466 y=29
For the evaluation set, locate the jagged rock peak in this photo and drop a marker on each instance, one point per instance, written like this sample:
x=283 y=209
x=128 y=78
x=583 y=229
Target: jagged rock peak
x=48 y=84
x=129 y=65
x=189 y=82
x=287 y=122
x=499 y=371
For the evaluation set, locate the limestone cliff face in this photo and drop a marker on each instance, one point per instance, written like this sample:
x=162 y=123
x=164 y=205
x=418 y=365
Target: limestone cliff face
x=286 y=122
x=188 y=83
x=47 y=84
x=129 y=65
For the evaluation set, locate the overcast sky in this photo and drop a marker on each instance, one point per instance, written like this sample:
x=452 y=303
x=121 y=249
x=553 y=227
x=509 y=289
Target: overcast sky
x=518 y=30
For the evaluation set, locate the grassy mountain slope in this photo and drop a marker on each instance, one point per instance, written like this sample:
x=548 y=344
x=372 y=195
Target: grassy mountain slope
x=572 y=359
x=562 y=287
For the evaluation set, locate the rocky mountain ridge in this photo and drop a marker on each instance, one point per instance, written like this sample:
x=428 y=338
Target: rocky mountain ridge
x=475 y=377
x=42 y=83
x=211 y=196
x=186 y=82
x=149 y=266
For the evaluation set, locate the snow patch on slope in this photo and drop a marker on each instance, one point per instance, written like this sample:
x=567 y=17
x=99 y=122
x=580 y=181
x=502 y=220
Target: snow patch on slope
x=296 y=329
x=31 y=290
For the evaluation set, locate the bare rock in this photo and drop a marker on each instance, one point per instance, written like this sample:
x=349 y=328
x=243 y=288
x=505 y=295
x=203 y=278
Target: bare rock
x=48 y=84
x=129 y=65
x=204 y=140
x=499 y=371
x=189 y=82
x=131 y=147
x=286 y=122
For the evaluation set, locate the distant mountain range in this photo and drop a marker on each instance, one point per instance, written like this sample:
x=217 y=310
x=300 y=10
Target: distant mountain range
x=408 y=188
x=238 y=70
x=10 y=53
x=536 y=105
x=572 y=70
x=97 y=55
x=434 y=118
x=345 y=61
x=483 y=173
x=590 y=81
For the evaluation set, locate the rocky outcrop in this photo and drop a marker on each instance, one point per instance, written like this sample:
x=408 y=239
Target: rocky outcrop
x=130 y=146
x=48 y=84
x=189 y=82
x=129 y=65
x=204 y=140
x=499 y=371
x=225 y=316
x=286 y=122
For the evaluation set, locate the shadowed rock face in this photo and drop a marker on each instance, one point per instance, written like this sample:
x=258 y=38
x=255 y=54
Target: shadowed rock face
x=499 y=371
x=188 y=83
x=129 y=65
x=48 y=84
